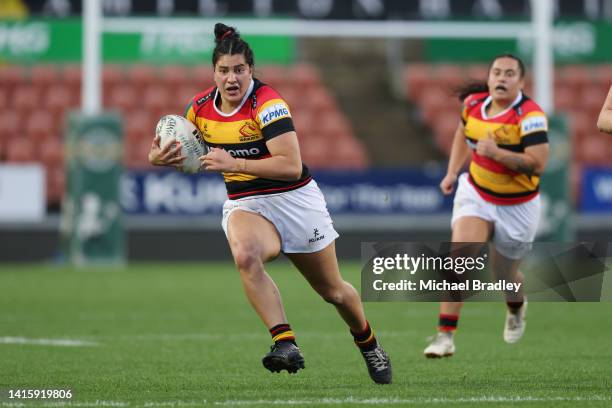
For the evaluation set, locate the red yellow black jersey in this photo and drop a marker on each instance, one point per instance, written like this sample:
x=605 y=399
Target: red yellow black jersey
x=261 y=116
x=522 y=125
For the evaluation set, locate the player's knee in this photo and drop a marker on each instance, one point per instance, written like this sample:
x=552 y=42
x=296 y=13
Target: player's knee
x=333 y=295
x=247 y=260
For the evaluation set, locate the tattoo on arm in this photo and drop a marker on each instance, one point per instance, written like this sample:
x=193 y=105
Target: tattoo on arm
x=518 y=163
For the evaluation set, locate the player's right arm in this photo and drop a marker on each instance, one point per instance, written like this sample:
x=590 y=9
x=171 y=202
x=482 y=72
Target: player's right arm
x=460 y=152
x=604 y=122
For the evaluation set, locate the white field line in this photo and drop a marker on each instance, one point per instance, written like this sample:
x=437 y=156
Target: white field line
x=407 y=401
x=47 y=342
x=314 y=401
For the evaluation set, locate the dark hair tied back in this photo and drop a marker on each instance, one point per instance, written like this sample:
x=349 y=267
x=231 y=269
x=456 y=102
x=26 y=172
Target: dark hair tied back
x=228 y=42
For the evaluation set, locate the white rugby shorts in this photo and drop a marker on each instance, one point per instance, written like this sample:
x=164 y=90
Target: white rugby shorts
x=300 y=217
x=515 y=225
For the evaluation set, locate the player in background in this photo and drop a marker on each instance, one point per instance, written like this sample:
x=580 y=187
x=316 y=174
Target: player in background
x=506 y=134
x=604 y=123
x=273 y=203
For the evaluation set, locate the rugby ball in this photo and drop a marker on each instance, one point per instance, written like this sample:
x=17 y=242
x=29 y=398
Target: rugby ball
x=171 y=128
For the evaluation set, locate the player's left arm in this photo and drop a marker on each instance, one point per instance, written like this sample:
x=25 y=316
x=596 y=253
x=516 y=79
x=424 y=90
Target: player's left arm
x=604 y=122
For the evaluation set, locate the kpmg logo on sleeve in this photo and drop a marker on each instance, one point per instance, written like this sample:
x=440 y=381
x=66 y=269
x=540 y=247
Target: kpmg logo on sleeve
x=273 y=113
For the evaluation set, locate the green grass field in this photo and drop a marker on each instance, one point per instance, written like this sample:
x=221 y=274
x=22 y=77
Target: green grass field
x=172 y=335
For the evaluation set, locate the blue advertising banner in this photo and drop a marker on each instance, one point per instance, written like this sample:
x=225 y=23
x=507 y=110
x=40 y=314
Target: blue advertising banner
x=371 y=192
x=596 y=194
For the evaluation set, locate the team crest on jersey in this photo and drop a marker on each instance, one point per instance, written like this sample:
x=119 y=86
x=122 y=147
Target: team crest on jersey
x=273 y=113
x=249 y=132
x=204 y=131
x=534 y=124
x=503 y=135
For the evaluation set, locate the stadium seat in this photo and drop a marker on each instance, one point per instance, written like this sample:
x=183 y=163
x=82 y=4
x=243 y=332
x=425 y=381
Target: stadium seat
x=434 y=99
x=41 y=125
x=124 y=98
x=565 y=98
x=304 y=76
x=273 y=75
x=59 y=99
x=202 y=77
x=140 y=125
x=477 y=72
x=112 y=75
x=27 y=97
x=449 y=76
x=55 y=184
x=12 y=76
x=320 y=100
x=51 y=152
x=175 y=75
x=141 y=76
x=21 y=150
x=43 y=76
x=594 y=150
x=592 y=97
x=12 y=125
x=155 y=98
x=602 y=75
x=72 y=77
x=5 y=100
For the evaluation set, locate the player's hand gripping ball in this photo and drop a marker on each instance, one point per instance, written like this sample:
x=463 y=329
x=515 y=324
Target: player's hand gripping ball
x=175 y=128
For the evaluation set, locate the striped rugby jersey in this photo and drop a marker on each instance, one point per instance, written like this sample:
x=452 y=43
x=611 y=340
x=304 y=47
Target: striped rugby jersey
x=261 y=116
x=522 y=125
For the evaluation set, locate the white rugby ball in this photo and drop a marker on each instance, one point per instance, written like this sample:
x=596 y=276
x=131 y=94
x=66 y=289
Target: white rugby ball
x=175 y=127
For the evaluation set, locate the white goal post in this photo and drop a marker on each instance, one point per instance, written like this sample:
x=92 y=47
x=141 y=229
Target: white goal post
x=539 y=29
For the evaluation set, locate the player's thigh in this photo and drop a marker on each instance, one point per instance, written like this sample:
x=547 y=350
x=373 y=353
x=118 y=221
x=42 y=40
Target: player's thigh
x=471 y=229
x=319 y=268
x=252 y=233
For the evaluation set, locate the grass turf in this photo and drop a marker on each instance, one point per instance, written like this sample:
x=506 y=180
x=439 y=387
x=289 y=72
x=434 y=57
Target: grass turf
x=185 y=335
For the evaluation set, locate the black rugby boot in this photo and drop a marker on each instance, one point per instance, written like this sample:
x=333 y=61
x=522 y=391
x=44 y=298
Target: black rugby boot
x=284 y=355
x=378 y=363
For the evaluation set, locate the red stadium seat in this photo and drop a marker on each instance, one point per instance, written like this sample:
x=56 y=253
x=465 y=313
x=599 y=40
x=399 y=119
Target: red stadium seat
x=603 y=75
x=140 y=125
x=141 y=76
x=21 y=150
x=5 y=100
x=12 y=125
x=565 y=98
x=71 y=75
x=449 y=76
x=51 y=152
x=593 y=150
x=320 y=99
x=113 y=75
x=304 y=76
x=592 y=97
x=43 y=76
x=155 y=98
x=124 y=98
x=60 y=98
x=435 y=99
x=478 y=72
x=27 y=97
x=41 y=125
x=273 y=75
x=202 y=76
x=56 y=183
x=176 y=75
x=12 y=76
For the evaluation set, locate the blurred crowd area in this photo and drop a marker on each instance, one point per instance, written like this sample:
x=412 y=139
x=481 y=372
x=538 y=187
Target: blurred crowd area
x=35 y=99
